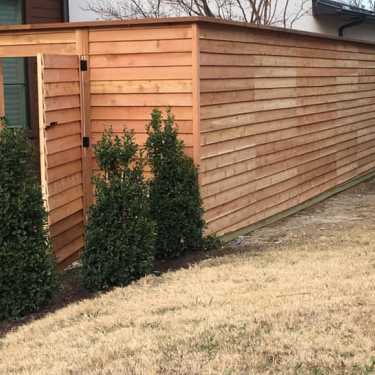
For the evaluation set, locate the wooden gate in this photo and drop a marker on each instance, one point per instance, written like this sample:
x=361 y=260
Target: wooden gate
x=60 y=124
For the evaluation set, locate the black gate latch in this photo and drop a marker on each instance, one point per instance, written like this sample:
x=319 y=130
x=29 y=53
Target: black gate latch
x=86 y=142
x=83 y=65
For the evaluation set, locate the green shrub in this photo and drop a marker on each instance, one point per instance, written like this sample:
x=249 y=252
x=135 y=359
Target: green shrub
x=28 y=275
x=120 y=234
x=176 y=205
x=212 y=242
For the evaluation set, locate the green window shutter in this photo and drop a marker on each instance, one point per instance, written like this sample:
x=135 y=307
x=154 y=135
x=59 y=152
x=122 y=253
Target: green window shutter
x=15 y=83
x=14 y=70
x=11 y=12
x=15 y=106
x=15 y=90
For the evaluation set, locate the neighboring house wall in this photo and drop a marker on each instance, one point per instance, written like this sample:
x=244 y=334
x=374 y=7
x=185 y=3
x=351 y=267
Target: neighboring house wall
x=329 y=24
x=43 y=11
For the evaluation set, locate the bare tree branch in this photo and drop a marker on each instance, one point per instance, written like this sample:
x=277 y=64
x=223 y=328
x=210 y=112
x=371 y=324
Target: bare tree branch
x=261 y=12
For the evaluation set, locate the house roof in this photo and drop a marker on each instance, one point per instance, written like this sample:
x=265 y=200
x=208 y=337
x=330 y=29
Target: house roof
x=340 y=8
x=163 y=22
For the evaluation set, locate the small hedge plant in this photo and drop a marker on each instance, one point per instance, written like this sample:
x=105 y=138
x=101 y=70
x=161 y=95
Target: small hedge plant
x=175 y=200
x=28 y=277
x=120 y=234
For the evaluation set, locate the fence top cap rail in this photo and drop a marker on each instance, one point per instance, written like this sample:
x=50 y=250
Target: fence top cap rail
x=167 y=21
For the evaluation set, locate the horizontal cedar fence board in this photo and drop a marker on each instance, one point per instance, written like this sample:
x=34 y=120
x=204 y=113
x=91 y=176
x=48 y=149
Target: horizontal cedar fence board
x=62 y=154
x=147 y=46
x=287 y=139
x=221 y=110
x=61 y=75
x=139 y=34
x=188 y=151
x=141 y=100
x=141 y=73
x=33 y=43
x=276 y=72
x=63 y=144
x=37 y=38
x=65 y=239
x=65 y=197
x=59 y=186
x=56 y=132
x=280 y=93
x=63 y=172
x=135 y=113
x=283 y=118
x=141 y=86
x=70 y=252
x=63 y=102
x=241 y=60
x=141 y=59
x=33 y=50
x=60 y=158
x=61 y=89
x=64 y=226
x=139 y=126
x=63 y=117
x=68 y=209
x=234 y=84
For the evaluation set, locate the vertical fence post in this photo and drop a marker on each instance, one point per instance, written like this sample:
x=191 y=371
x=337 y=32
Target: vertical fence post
x=83 y=52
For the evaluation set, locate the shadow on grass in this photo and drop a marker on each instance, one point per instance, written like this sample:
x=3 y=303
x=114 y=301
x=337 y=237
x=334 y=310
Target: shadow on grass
x=72 y=292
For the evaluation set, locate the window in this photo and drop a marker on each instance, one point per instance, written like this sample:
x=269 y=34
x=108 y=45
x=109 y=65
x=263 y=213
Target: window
x=15 y=91
x=15 y=82
x=11 y=12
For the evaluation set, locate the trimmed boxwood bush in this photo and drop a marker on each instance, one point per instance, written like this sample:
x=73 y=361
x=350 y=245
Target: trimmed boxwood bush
x=28 y=275
x=176 y=205
x=120 y=234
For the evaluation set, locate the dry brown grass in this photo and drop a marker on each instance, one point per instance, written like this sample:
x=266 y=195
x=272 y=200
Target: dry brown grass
x=305 y=306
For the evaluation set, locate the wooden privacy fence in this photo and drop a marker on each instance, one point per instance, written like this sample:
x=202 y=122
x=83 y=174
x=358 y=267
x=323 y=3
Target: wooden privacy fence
x=273 y=118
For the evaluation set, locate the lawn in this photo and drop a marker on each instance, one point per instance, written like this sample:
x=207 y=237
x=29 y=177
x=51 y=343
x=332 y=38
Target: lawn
x=294 y=298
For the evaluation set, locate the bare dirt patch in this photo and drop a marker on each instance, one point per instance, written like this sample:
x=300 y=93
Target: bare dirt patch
x=353 y=208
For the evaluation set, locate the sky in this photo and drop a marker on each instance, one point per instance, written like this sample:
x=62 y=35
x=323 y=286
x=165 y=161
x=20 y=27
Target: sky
x=77 y=14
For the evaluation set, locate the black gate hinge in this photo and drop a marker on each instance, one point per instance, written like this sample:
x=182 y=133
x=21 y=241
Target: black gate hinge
x=83 y=65
x=86 y=142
